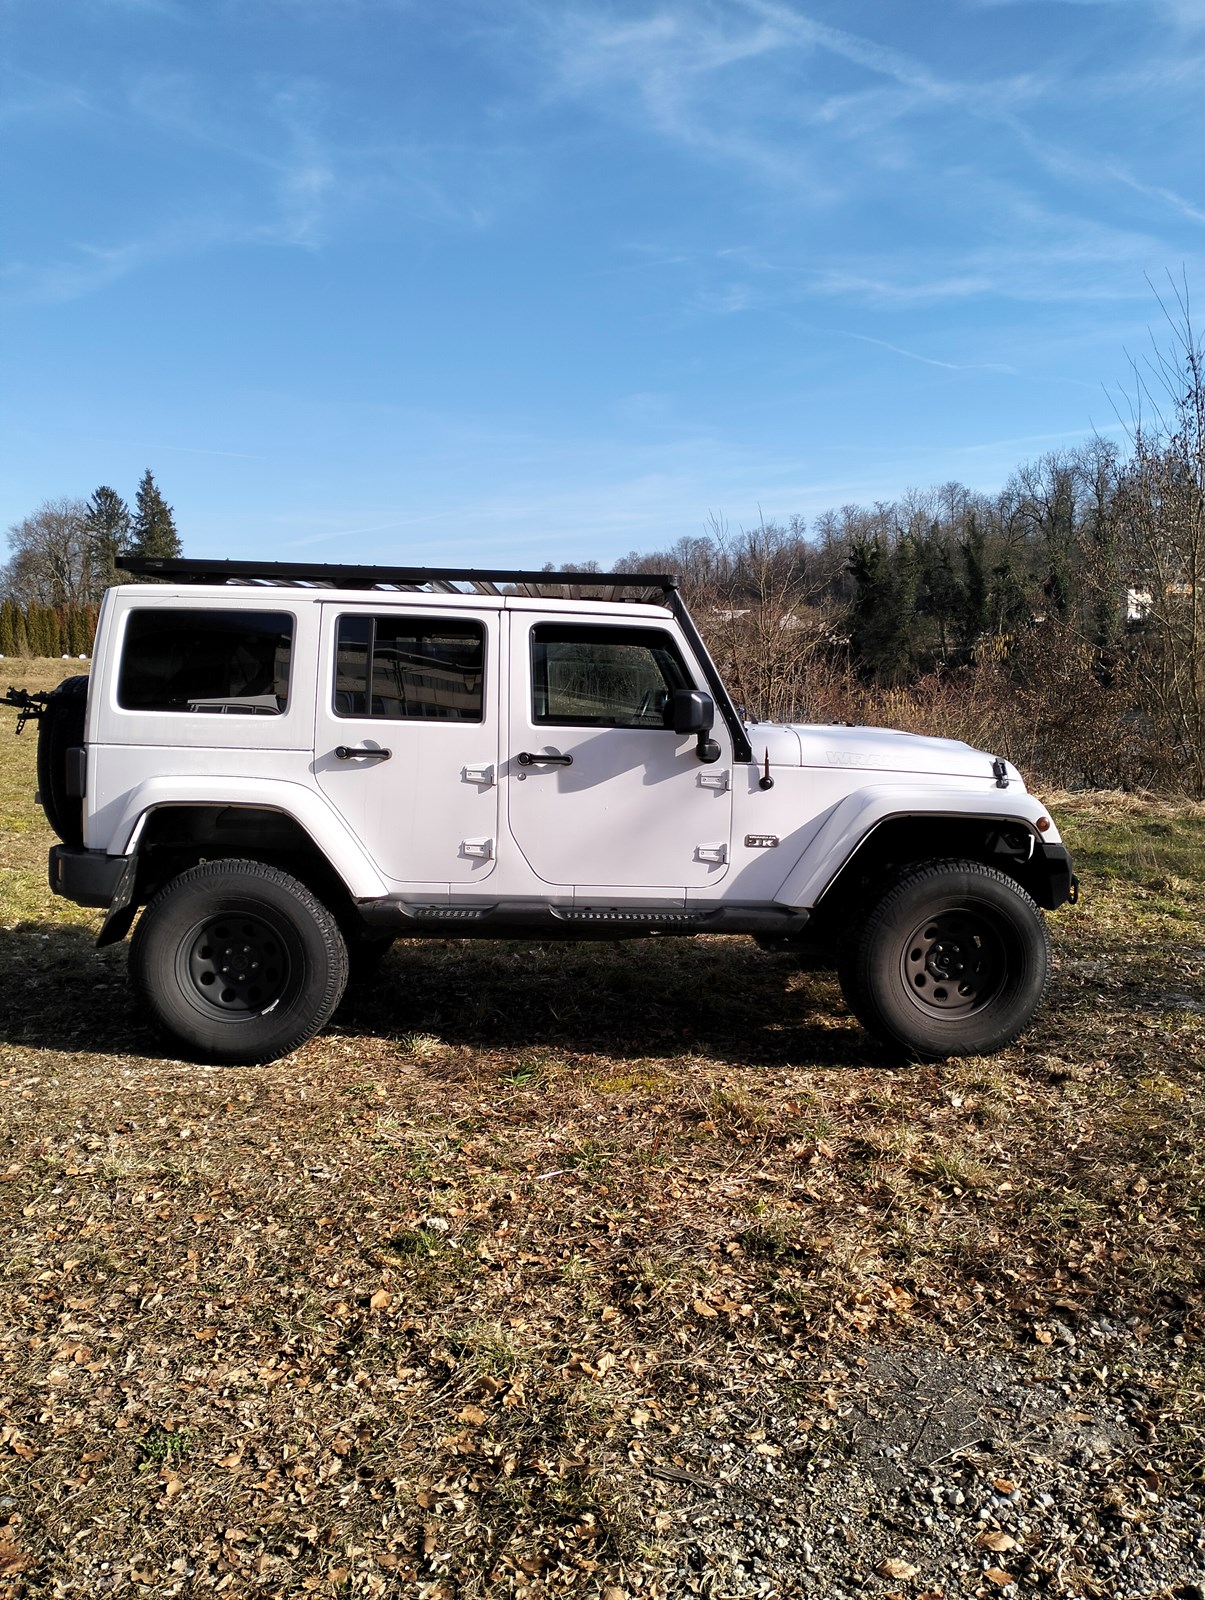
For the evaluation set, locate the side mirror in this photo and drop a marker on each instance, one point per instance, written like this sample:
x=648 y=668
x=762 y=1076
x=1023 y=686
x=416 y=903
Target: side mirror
x=693 y=711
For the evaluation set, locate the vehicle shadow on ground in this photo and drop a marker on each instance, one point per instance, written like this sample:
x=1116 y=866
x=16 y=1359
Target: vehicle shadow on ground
x=723 y=999
x=58 y=992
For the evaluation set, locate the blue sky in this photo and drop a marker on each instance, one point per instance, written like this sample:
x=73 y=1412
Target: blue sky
x=536 y=280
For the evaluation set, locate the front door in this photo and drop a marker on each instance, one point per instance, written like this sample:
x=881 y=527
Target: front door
x=406 y=737
x=600 y=793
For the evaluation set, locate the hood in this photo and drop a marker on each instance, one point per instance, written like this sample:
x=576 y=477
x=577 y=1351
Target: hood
x=869 y=750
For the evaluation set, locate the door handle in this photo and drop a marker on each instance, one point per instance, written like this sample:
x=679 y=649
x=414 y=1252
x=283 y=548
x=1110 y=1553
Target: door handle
x=528 y=758
x=349 y=752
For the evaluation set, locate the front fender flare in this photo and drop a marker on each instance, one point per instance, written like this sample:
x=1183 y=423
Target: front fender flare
x=852 y=821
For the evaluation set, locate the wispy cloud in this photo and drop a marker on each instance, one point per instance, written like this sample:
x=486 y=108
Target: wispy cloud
x=1187 y=14
x=29 y=95
x=82 y=269
x=1158 y=191
x=743 y=84
x=932 y=361
x=273 y=174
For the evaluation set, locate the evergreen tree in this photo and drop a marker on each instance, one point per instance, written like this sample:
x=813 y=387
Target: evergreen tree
x=1010 y=606
x=976 y=608
x=108 y=522
x=882 y=617
x=942 y=595
x=42 y=631
x=77 y=631
x=8 y=628
x=154 y=528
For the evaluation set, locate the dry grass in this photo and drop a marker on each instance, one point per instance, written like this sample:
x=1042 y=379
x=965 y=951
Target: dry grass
x=422 y=1309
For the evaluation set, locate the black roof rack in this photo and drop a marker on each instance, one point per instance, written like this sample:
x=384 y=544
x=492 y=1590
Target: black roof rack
x=483 y=580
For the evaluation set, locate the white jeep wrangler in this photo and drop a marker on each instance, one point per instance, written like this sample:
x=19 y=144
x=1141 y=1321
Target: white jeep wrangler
x=289 y=766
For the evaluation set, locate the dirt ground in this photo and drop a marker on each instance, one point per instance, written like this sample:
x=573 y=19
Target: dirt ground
x=626 y=1270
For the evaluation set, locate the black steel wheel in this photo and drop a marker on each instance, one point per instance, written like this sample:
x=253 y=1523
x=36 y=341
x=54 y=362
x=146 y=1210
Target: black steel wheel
x=954 y=959
x=237 y=964
x=238 y=961
x=954 y=963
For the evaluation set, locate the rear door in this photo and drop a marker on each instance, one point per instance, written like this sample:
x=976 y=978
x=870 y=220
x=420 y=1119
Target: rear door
x=406 y=737
x=600 y=793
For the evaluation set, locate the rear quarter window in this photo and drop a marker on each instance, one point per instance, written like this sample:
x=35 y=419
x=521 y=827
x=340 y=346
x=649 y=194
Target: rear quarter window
x=211 y=663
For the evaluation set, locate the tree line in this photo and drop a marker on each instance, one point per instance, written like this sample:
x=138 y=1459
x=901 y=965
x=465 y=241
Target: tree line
x=65 y=555
x=1060 y=621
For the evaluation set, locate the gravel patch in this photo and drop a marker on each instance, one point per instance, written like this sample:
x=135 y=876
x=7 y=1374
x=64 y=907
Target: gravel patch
x=923 y=1472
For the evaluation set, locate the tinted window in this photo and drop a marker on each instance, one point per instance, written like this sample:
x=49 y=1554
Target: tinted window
x=219 y=662
x=407 y=667
x=603 y=677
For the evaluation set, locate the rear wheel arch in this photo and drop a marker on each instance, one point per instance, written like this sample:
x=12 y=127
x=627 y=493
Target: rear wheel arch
x=171 y=839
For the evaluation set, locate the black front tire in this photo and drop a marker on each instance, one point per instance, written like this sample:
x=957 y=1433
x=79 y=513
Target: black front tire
x=238 y=961
x=952 y=961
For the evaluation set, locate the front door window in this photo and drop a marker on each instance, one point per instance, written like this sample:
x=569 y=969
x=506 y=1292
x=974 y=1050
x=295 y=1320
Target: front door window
x=603 y=677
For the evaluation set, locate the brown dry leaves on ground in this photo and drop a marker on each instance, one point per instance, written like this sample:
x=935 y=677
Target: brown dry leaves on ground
x=538 y=1249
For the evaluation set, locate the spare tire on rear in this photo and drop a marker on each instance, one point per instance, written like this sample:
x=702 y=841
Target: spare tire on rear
x=61 y=728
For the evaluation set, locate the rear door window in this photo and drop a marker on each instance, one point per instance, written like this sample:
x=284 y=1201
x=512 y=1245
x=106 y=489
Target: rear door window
x=410 y=668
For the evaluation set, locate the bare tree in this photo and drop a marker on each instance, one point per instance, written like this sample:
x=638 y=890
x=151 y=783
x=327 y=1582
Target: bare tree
x=1162 y=500
x=51 y=563
x=760 y=616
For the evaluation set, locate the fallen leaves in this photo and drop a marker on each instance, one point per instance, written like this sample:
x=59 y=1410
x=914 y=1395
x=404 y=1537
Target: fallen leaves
x=12 y=1558
x=896 y=1567
x=997 y=1542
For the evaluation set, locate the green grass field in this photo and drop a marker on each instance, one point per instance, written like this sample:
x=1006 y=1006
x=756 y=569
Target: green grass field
x=429 y=1307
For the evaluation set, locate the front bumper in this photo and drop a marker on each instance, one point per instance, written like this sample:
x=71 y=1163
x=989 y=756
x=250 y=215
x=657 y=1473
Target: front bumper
x=89 y=877
x=1062 y=885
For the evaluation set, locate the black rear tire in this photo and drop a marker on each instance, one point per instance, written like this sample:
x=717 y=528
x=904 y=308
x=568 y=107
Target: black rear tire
x=238 y=961
x=952 y=961
x=60 y=728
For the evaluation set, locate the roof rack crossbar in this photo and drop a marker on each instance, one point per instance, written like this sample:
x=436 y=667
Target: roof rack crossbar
x=338 y=576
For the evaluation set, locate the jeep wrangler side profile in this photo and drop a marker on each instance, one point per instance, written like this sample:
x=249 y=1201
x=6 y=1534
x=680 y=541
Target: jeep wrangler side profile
x=288 y=766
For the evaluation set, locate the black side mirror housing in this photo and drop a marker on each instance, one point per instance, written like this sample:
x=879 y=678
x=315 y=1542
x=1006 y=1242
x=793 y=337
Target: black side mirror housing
x=693 y=711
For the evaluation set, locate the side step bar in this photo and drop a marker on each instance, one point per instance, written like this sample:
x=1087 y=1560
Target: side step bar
x=526 y=919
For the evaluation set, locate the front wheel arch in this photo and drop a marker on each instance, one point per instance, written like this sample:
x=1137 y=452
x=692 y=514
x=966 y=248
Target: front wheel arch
x=1010 y=845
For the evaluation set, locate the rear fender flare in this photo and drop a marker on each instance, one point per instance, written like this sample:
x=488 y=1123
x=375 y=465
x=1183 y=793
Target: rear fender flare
x=324 y=827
